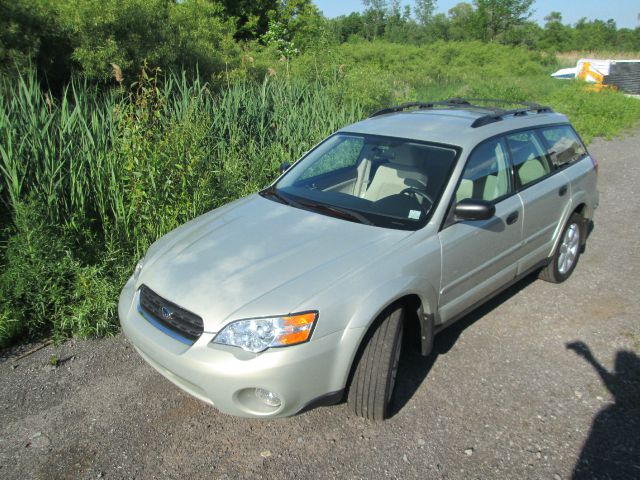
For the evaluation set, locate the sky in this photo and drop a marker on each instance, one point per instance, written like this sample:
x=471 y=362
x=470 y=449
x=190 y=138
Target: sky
x=624 y=12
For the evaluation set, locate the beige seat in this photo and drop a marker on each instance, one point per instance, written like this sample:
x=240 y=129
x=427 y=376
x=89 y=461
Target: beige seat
x=530 y=171
x=392 y=178
x=465 y=189
x=491 y=186
x=494 y=187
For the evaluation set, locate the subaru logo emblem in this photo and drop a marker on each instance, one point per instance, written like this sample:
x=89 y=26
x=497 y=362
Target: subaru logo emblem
x=166 y=313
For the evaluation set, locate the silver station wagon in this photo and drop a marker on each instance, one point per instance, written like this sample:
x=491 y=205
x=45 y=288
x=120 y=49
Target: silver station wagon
x=300 y=295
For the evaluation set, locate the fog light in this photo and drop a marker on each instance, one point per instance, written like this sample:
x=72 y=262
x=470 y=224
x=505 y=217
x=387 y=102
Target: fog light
x=268 y=398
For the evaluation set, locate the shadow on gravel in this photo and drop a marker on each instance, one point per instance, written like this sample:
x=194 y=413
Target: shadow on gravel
x=414 y=368
x=612 y=449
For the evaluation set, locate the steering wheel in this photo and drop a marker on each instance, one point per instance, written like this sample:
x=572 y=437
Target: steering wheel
x=417 y=193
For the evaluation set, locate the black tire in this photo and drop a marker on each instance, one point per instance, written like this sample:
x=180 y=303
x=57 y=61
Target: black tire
x=555 y=271
x=371 y=389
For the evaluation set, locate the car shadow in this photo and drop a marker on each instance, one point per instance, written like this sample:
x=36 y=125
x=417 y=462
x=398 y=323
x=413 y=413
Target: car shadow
x=612 y=449
x=414 y=368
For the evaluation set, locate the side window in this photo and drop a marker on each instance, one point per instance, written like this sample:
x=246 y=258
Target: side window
x=564 y=145
x=530 y=162
x=341 y=152
x=486 y=175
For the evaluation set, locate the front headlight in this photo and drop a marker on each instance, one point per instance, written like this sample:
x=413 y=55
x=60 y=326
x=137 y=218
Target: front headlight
x=258 y=334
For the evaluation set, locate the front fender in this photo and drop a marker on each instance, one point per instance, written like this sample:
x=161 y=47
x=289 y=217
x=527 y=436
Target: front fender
x=389 y=292
x=385 y=295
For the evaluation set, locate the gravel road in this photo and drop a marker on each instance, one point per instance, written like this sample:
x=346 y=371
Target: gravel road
x=502 y=396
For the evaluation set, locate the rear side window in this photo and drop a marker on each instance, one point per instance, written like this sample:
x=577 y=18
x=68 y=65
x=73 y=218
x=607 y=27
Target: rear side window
x=564 y=145
x=529 y=158
x=486 y=174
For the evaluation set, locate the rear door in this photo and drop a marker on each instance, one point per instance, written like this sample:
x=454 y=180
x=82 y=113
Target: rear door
x=568 y=153
x=545 y=194
x=478 y=257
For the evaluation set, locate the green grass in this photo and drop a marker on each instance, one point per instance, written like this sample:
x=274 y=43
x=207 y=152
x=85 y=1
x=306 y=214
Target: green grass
x=92 y=178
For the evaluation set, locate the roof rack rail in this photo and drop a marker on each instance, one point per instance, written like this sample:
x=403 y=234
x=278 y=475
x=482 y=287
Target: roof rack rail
x=452 y=102
x=497 y=112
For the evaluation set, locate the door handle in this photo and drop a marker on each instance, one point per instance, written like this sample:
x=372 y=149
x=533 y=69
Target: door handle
x=512 y=218
x=563 y=190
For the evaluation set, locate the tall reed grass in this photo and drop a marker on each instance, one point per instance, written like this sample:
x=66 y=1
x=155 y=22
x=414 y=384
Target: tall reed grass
x=134 y=165
x=107 y=173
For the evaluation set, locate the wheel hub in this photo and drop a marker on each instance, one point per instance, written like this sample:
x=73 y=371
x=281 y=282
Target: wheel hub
x=569 y=248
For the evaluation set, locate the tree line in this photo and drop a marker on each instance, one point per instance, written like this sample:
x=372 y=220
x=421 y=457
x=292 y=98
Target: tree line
x=100 y=38
x=504 y=21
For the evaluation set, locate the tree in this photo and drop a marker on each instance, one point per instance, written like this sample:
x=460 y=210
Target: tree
x=162 y=33
x=346 y=26
x=496 y=17
x=424 y=10
x=555 y=36
x=31 y=34
x=553 y=17
x=399 y=25
x=592 y=35
x=251 y=16
x=461 y=22
x=200 y=37
x=305 y=23
x=440 y=27
x=375 y=16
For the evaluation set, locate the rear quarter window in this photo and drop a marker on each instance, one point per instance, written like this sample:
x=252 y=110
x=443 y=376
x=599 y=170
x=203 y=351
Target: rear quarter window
x=563 y=144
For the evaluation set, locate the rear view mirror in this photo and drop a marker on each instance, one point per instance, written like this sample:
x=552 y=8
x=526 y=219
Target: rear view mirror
x=470 y=209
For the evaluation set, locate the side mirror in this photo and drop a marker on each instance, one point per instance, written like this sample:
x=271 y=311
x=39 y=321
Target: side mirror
x=470 y=209
x=284 y=167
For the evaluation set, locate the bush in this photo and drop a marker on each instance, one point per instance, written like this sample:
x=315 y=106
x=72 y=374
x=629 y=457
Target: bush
x=45 y=289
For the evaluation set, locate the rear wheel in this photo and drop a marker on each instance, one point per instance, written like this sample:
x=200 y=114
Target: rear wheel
x=567 y=253
x=374 y=379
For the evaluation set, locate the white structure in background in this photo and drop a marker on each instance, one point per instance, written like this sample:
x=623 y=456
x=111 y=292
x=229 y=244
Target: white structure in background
x=595 y=69
x=565 y=73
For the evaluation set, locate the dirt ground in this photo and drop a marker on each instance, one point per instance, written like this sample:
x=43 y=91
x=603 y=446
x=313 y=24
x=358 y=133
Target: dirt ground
x=543 y=382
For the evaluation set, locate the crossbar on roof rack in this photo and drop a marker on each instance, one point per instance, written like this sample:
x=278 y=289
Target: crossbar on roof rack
x=497 y=112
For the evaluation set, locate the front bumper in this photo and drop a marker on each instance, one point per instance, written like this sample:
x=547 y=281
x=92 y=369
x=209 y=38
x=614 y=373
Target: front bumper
x=226 y=376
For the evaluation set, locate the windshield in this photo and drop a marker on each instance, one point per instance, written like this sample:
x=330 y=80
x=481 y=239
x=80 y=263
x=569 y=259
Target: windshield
x=387 y=182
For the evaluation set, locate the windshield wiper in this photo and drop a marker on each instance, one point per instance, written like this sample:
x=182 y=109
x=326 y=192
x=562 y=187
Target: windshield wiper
x=339 y=212
x=272 y=192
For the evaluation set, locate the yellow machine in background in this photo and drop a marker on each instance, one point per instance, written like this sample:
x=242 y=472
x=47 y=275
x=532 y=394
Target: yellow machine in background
x=589 y=73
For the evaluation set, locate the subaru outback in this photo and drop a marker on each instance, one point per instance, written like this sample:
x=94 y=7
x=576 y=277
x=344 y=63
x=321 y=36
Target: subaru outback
x=300 y=295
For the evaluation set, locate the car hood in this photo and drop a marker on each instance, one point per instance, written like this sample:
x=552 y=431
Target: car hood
x=257 y=257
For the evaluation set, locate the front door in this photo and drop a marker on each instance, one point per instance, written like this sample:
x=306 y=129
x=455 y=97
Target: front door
x=478 y=257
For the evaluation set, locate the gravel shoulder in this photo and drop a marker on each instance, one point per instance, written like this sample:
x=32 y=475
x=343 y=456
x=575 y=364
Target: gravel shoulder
x=501 y=397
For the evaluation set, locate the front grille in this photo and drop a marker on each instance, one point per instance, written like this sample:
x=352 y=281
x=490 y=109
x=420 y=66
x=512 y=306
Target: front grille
x=168 y=314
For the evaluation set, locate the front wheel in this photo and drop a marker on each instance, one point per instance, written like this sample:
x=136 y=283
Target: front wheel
x=374 y=379
x=565 y=258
